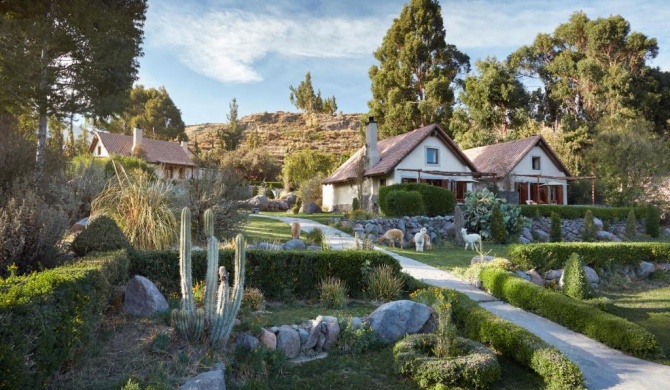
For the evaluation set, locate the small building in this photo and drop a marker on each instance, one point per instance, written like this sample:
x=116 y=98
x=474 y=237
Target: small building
x=528 y=166
x=170 y=160
x=425 y=155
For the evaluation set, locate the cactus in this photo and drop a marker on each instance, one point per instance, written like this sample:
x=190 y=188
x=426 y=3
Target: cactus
x=180 y=319
x=212 y=266
x=185 y=262
x=229 y=302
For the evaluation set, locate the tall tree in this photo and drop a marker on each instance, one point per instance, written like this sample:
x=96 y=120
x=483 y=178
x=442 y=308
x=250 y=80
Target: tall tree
x=412 y=86
x=304 y=98
x=153 y=110
x=59 y=57
x=232 y=136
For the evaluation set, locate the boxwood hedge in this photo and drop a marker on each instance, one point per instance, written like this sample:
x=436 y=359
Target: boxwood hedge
x=436 y=200
x=277 y=274
x=48 y=318
x=578 y=211
x=546 y=256
x=609 y=329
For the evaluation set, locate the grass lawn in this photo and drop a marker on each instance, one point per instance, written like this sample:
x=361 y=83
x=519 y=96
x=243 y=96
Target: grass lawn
x=320 y=217
x=265 y=229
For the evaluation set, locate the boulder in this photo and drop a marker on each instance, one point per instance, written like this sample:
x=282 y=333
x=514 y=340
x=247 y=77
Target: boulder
x=247 y=341
x=524 y=240
x=541 y=235
x=644 y=269
x=142 y=298
x=268 y=339
x=597 y=223
x=210 y=380
x=290 y=199
x=553 y=274
x=310 y=208
x=535 y=277
x=288 y=341
x=603 y=235
x=665 y=232
x=268 y=246
x=355 y=323
x=591 y=275
x=314 y=333
x=393 y=320
x=479 y=259
x=330 y=327
x=522 y=275
x=260 y=201
x=294 y=245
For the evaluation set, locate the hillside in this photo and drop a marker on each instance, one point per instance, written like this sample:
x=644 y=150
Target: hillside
x=283 y=132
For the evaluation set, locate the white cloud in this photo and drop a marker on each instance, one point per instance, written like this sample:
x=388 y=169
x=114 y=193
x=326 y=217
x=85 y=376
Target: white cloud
x=226 y=45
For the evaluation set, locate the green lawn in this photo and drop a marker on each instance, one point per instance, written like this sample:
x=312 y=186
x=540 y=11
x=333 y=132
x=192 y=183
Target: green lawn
x=265 y=229
x=321 y=217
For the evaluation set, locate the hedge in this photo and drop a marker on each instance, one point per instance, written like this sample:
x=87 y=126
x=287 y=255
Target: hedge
x=436 y=200
x=277 y=274
x=577 y=211
x=546 y=256
x=49 y=318
x=513 y=341
x=404 y=203
x=609 y=329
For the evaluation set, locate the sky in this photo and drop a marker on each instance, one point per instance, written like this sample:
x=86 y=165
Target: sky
x=207 y=52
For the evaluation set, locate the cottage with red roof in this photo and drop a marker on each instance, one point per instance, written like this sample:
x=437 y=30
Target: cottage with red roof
x=169 y=159
x=528 y=166
x=425 y=155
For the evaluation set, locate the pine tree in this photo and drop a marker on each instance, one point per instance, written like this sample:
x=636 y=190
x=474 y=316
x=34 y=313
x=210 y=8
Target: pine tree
x=589 y=228
x=556 y=234
x=631 y=225
x=498 y=232
x=575 y=284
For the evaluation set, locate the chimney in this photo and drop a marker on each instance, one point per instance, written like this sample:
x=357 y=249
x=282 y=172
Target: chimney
x=137 y=139
x=184 y=145
x=371 y=143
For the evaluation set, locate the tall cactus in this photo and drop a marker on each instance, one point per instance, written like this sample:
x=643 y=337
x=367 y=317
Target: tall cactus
x=212 y=266
x=185 y=262
x=229 y=302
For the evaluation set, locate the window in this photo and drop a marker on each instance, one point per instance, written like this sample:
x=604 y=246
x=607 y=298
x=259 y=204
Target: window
x=382 y=182
x=536 y=163
x=407 y=180
x=99 y=151
x=431 y=156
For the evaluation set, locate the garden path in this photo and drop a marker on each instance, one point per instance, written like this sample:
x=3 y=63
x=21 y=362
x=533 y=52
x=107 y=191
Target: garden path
x=602 y=366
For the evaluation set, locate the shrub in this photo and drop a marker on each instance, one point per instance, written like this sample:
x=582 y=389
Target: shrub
x=436 y=200
x=355 y=204
x=315 y=236
x=588 y=228
x=360 y=214
x=128 y=163
x=578 y=316
x=445 y=343
x=478 y=209
x=631 y=225
x=384 y=284
x=498 y=232
x=253 y=298
x=101 y=235
x=652 y=221
x=575 y=284
x=577 y=211
x=354 y=341
x=556 y=233
x=49 y=318
x=333 y=293
x=404 y=203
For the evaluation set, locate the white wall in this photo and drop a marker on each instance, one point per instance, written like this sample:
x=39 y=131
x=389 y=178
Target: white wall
x=334 y=195
x=447 y=162
x=547 y=168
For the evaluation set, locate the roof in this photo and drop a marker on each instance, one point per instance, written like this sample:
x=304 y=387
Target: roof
x=392 y=151
x=503 y=157
x=155 y=151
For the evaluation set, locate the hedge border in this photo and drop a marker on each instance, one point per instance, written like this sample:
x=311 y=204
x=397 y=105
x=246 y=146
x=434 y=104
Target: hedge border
x=50 y=317
x=577 y=211
x=613 y=331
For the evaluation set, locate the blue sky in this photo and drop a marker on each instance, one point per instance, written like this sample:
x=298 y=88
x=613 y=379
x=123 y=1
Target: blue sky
x=208 y=52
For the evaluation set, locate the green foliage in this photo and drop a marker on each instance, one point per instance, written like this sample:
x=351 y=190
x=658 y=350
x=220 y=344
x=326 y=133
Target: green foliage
x=303 y=165
x=631 y=225
x=498 y=232
x=412 y=86
x=254 y=369
x=546 y=256
x=556 y=233
x=315 y=236
x=578 y=211
x=129 y=164
x=436 y=200
x=445 y=344
x=354 y=341
x=588 y=227
x=101 y=235
x=141 y=208
x=652 y=221
x=50 y=317
x=333 y=293
x=478 y=209
x=304 y=98
x=232 y=136
x=253 y=298
x=581 y=317
x=251 y=163
x=355 y=204
x=276 y=274
x=404 y=203
x=575 y=284
x=384 y=284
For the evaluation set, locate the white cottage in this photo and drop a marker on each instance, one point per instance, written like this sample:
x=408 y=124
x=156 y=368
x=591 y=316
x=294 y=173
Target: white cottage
x=425 y=155
x=528 y=166
x=169 y=159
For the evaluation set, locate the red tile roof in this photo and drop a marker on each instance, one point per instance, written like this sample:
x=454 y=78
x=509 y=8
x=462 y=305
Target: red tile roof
x=503 y=157
x=392 y=151
x=155 y=151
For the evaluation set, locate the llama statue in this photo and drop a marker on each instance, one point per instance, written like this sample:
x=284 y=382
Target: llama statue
x=471 y=239
x=392 y=235
x=295 y=230
x=420 y=239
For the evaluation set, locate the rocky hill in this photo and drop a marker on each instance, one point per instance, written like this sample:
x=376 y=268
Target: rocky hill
x=281 y=132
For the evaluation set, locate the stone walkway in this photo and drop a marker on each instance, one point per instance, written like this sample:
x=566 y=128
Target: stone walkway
x=603 y=367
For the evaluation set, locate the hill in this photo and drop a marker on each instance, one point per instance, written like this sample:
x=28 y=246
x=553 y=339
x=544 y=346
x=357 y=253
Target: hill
x=281 y=132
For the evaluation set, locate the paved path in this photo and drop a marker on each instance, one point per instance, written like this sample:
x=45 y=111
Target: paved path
x=602 y=366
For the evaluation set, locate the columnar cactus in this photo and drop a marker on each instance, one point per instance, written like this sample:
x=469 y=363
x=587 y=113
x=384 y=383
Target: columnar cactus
x=229 y=301
x=212 y=266
x=185 y=262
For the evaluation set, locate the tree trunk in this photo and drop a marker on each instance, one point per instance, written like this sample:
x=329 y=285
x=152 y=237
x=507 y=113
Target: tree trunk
x=40 y=157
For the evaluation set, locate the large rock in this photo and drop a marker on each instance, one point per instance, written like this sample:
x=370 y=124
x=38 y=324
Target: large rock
x=290 y=199
x=541 y=235
x=644 y=269
x=288 y=341
x=604 y=235
x=310 y=208
x=268 y=246
x=553 y=274
x=481 y=259
x=268 y=339
x=260 y=201
x=393 y=320
x=522 y=275
x=142 y=298
x=247 y=341
x=314 y=333
x=598 y=223
x=294 y=245
x=591 y=275
x=535 y=277
x=210 y=380
x=665 y=232
x=330 y=327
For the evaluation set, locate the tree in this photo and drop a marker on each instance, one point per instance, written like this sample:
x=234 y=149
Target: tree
x=252 y=164
x=154 y=111
x=412 y=85
x=304 y=98
x=303 y=165
x=61 y=57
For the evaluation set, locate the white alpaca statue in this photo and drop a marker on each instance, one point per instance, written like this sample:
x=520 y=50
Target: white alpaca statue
x=471 y=239
x=419 y=239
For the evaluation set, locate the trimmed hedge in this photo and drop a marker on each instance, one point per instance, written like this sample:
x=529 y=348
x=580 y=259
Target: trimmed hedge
x=50 y=317
x=578 y=211
x=404 y=203
x=277 y=274
x=512 y=341
x=609 y=329
x=436 y=200
x=546 y=256
x=101 y=235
